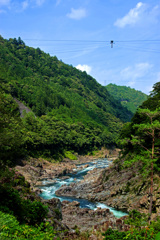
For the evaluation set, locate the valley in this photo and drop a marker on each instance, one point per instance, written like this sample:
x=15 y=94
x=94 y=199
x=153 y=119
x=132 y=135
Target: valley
x=76 y=160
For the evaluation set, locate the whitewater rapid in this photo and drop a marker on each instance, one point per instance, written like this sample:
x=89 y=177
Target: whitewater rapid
x=50 y=187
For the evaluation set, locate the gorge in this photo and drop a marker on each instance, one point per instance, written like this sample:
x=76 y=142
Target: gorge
x=50 y=188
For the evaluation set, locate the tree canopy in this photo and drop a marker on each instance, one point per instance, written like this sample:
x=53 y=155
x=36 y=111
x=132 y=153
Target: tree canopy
x=129 y=97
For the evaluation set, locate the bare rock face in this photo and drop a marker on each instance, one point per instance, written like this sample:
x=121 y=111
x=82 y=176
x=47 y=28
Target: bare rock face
x=54 y=215
x=124 y=190
x=84 y=218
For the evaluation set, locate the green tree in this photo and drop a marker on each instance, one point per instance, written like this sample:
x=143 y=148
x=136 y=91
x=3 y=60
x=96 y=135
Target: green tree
x=146 y=135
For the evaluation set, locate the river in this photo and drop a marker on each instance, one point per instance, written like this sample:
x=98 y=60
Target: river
x=49 y=188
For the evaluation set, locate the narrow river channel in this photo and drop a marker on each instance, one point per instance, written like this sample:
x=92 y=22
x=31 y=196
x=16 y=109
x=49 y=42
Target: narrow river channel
x=49 y=188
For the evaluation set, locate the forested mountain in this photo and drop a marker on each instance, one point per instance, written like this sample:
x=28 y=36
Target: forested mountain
x=73 y=111
x=129 y=97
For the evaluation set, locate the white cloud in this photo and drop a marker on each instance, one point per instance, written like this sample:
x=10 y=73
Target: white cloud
x=152 y=15
x=77 y=13
x=134 y=73
x=132 y=17
x=84 y=68
x=4 y=2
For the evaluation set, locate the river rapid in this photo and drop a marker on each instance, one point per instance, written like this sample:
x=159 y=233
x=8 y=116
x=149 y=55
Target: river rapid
x=50 y=187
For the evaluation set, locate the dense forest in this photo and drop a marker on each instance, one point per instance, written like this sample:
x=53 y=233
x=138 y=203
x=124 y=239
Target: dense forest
x=129 y=97
x=70 y=110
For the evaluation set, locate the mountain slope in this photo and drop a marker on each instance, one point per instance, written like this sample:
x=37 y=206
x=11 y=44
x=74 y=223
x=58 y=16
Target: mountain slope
x=129 y=97
x=46 y=83
x=72 y=110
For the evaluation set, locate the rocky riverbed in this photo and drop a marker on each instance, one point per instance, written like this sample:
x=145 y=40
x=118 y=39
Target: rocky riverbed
x=122 y=189
x=36 y=171
x=86 y=219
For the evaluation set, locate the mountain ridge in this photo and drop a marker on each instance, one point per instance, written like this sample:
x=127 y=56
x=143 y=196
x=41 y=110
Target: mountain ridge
x=129 y=97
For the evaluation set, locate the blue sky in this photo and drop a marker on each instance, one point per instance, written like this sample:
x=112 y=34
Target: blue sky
x=79 y=33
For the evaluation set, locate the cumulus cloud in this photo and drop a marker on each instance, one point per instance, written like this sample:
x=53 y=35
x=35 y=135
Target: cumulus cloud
x=84 y=68
x=134 y=73
x=132 y=16
x=141 y=13
x=77 y=14
x=137 y=71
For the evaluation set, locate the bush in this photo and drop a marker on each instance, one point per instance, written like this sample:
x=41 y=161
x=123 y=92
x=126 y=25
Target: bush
x=139 y=230
x=35 y=212
x=11 y=229
x=26 y=211
x=114 y=234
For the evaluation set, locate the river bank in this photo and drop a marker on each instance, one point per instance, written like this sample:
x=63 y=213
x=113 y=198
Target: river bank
x=122 y=189
x=36 y=170
x=39 y=173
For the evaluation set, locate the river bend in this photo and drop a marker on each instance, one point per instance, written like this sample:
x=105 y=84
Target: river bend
x=50 y=187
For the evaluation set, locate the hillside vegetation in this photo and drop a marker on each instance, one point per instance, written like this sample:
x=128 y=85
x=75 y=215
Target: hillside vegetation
x=152 y=104
x=137 y=172
x=128 y=97
x=71 y=111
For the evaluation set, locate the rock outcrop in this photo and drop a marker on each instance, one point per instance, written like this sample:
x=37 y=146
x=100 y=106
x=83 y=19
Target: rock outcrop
x=124 y=189
x=37 y=170
x=86 y=219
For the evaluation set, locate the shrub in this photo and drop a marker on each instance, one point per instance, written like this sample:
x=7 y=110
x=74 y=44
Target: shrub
x=26 y=211
x=113 y=234
x=11 y=229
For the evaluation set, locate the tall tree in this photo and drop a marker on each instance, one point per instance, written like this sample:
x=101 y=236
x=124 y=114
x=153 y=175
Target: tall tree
x=146 y=135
